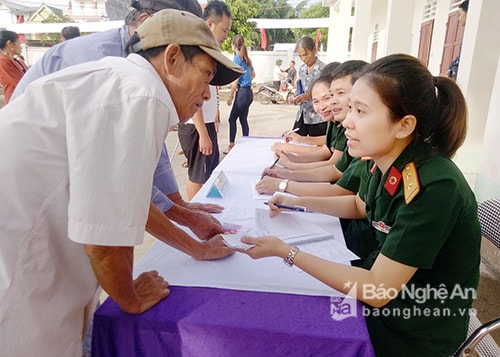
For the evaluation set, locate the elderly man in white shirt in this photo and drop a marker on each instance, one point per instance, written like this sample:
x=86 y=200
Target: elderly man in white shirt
x=77 y=157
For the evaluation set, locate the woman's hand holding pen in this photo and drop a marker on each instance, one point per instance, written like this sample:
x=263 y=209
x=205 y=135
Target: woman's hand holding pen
x=275 y=172
x=285 y=161
x=264 y=173
x=268 y=185
x=290 y=135
x=281 y=200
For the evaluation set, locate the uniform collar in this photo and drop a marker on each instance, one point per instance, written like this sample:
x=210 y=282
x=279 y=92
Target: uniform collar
x=412 y=153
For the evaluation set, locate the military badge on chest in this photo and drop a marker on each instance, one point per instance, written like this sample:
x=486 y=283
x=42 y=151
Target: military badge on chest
x=393 y=180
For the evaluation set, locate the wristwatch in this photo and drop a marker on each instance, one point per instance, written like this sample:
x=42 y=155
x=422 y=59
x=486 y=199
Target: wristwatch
x=283 y=185
x=288 y=260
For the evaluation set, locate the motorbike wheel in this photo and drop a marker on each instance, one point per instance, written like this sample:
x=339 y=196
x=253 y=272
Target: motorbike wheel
x=264 y=97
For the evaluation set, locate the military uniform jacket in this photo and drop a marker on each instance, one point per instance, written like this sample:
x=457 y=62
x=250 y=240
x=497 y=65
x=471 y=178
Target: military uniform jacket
x=335 y=136
x=423 y=214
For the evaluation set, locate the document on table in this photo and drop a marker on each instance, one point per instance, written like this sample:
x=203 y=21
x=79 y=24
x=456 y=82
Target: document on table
x=293 y=228
x=233 y=240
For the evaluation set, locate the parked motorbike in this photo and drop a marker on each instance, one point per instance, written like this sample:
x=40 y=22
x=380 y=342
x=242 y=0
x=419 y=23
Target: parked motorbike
x=268 y=94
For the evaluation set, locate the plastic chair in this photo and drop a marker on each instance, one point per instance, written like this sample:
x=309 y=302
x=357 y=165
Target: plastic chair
x=479 y=339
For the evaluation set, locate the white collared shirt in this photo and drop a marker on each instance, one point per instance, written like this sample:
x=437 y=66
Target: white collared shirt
x=77 y=154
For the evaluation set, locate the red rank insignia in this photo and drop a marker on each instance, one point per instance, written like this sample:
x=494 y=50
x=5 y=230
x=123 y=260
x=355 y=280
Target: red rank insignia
x=392 y=181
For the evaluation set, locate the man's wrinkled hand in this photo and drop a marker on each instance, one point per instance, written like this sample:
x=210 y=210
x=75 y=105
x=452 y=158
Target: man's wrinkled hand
x=204 y=225
x=150 y=288
x=207 y=207
x=214 y=248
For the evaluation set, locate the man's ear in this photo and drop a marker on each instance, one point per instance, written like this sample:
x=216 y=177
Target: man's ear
x=210 y=23
x=142 y=17
x=173 y=58
x=407 y=126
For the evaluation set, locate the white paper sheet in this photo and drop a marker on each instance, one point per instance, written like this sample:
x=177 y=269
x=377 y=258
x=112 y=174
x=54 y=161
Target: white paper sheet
x=292 y=227
x=239 y=271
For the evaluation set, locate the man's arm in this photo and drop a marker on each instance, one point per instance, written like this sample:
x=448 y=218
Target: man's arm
x=195 y=216
x=163 y=229
x=113 y=269
x=205 y=141
x=166 y=197
x=203 y=224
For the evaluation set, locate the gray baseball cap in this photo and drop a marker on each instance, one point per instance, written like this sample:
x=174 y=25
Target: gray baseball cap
x=170 y=26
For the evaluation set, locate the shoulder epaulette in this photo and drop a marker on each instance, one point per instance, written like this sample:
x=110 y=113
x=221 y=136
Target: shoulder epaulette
x=410 y=181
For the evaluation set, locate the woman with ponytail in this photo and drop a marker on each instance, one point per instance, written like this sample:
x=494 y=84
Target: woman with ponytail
x=242 y=88
x=418 y=284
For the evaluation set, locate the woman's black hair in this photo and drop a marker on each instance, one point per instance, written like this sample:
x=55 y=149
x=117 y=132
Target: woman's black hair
x=407 y=87
x=6 y=36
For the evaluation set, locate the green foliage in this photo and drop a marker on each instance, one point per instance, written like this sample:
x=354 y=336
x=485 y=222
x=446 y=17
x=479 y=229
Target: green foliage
x=277 y=9
x=242 y=10
x=314 y=11
x=50 y=39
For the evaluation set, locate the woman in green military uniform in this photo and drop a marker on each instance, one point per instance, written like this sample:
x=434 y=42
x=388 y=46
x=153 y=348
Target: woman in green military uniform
x=418 y=283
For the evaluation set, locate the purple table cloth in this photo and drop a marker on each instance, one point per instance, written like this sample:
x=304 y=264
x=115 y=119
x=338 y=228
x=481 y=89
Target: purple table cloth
x=196 y=321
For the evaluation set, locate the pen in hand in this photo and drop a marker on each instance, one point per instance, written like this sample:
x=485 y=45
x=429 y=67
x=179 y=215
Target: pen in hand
x=293 y=208
x=289 y=132
x=274 y=164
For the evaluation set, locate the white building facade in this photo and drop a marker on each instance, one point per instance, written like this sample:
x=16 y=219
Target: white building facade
x=382 y=27
x=370 y=29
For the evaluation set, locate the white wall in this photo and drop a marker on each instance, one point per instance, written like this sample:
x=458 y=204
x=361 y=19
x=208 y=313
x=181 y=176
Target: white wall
x=398 y=28
x=479 y=79
x=488 y=178
x=338 y=32
x=361 y=38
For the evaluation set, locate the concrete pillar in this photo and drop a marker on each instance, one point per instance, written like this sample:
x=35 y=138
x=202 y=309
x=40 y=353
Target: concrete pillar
x=399 y=26
x=360 y=47
x=338 y=32
x=479 y=78
x=487 y=183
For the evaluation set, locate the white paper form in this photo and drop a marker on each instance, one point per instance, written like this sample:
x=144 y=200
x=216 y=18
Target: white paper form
x=289 y=226
x=233 y=240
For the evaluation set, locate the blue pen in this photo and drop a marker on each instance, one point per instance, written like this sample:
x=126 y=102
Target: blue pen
x=292 y=208
x=274 y=164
